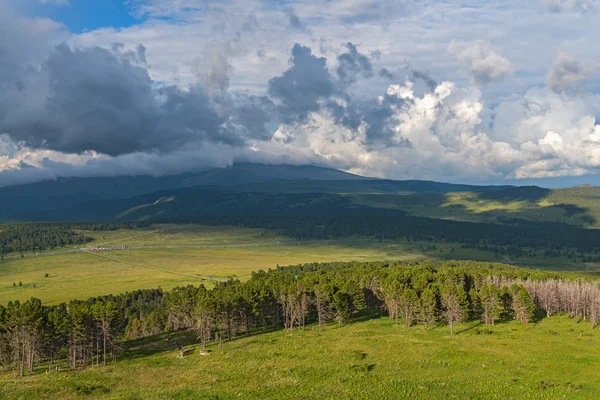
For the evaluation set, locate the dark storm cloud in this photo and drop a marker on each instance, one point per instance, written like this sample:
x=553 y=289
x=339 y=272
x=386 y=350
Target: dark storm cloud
x=431 y=84
x=102 y=100
x=294 y=21
x=385 y=73
x=353 y=65
x=377 y=115
x=250 y=116
x=300 y=88
x=307 y=86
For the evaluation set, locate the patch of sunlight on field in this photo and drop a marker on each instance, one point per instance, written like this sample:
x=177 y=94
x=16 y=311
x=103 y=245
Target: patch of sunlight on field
x=77 y=276
x=473 y=204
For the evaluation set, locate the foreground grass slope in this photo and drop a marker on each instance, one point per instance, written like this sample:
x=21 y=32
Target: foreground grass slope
x=554 y=358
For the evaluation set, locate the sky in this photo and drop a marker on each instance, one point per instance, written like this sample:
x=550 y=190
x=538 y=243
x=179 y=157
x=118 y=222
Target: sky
x=460 y=91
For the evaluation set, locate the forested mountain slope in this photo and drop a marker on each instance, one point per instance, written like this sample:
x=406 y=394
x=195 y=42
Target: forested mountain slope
x=40 y=200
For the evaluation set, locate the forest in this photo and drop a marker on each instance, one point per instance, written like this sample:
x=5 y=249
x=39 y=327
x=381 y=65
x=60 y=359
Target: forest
x=38 y=236
x=430 y=293
x=513 y=236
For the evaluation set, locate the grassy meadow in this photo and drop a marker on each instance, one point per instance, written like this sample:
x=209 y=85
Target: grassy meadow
x=372 y=359
x=176 y=255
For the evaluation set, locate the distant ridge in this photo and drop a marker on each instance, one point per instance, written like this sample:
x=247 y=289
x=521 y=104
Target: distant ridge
x=52 y=200
x=246 y=173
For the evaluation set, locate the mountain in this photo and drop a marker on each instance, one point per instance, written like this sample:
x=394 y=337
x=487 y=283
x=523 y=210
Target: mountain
x=246 y=173
x=66 y=192
x=109 y=197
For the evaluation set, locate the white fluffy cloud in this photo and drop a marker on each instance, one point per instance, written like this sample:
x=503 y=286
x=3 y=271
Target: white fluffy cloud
x=445 y=135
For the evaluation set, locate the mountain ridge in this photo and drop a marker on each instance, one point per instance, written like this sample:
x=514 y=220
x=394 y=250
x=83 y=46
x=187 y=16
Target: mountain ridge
x=51 y=200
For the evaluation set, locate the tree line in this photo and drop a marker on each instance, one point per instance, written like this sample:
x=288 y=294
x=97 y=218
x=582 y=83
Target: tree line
x=431 y=293
x=80 y=332
x=512 y=238
x=38 y=236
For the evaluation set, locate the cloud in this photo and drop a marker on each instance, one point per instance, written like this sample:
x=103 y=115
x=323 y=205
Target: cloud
x=295 y=23
x=215 y=75
x=558 y=6
x=352 y=65
x=429 y=81
x=354 y=11
x=567 y=72
x=20 y=46
x=385 y=73
x=210 y=86
x=299 y=89
x=443 y=134
x=105 y=101
x=484 y=64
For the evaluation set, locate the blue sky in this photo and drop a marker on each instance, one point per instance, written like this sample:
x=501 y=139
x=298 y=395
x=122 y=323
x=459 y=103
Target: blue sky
x=463 y=91
x=87 y=15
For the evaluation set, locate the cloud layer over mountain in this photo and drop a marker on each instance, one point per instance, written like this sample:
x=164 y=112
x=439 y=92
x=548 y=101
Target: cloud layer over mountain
x=380 y=88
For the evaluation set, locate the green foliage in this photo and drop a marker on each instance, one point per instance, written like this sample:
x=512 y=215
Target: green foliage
x=492 y=307
x=21 y=237
x=38 y=236
x=513 y=237
x=522 y=305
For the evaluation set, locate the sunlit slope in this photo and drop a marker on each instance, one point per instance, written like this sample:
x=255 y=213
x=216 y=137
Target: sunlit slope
x=577 y=206
x=373 y=359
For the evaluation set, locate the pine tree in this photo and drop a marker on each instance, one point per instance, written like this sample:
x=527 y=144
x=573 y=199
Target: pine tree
x=454 y=304
x=522 y=305
x=491 y=303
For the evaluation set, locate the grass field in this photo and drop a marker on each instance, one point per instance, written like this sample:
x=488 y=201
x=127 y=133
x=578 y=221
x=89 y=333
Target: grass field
x=170 y=256
x=373 y=359
x=175 y=255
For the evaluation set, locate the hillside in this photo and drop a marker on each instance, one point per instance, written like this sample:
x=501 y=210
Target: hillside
x=255 y=189
x=245 y=173
x=576 y=206
x=389 y=329
x=110 y=196
x=373 y=359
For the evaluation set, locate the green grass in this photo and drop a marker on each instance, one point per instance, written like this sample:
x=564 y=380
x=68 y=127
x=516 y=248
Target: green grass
x=182 y=235
x=373 y=359
x=173 y=256
x=176 y=255
x=82 y=275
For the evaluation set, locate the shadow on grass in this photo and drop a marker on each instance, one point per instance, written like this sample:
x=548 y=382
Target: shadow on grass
x=470 y=327
x=172 y=341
